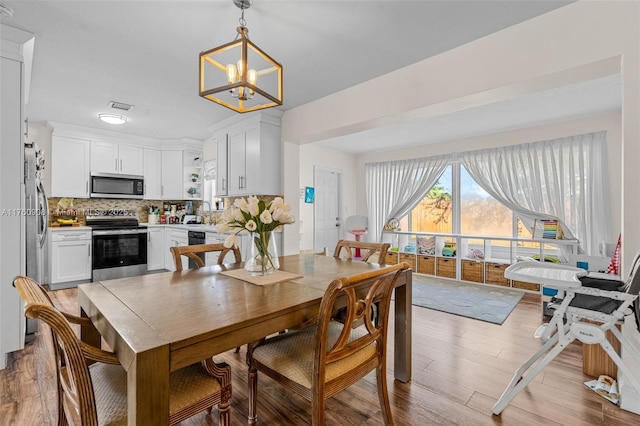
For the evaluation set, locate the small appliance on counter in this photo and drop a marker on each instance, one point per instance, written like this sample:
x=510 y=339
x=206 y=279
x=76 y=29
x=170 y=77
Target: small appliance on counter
x=190 y=219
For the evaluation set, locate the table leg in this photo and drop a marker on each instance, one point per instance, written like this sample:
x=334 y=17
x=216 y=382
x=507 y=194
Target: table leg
x=148 y=388
x=89 y=334
x=402 y=330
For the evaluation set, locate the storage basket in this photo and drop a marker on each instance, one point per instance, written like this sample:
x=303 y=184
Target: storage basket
x=472 y=271
x=427 y=265
x=409 y=258
x=494 y=274
x=446 y=267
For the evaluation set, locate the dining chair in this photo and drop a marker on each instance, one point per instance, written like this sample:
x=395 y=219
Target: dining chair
x=192 y=253
x=370 y=252
x=93 y=384
x=326 y=357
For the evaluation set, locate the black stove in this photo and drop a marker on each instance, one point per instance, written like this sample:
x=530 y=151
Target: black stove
x=119 y=244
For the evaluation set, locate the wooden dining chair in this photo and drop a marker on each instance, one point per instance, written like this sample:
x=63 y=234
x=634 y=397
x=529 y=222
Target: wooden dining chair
x=192 y=253
x=370 y=252
x=326 y=357
x=93 y=384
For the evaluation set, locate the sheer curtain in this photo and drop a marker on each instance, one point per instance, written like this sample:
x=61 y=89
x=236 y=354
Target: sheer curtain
x=395 y=187
x=563 y=178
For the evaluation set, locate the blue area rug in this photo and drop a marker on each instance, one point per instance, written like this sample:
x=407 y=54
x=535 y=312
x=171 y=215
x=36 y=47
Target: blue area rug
x=482 y=302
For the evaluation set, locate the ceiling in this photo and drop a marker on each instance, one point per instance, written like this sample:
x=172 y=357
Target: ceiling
x=145 y=53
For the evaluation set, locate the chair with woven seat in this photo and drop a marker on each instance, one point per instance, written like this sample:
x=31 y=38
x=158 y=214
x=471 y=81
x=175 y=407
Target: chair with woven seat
x=192 y=253
x=93 y=384
x=370 y=252
x=326 y=357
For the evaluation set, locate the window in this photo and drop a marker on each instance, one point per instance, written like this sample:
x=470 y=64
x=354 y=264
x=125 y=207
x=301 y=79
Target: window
x=435 y=212
x=480 y=213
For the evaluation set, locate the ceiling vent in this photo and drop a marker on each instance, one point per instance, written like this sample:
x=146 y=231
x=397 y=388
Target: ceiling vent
x=120 y=106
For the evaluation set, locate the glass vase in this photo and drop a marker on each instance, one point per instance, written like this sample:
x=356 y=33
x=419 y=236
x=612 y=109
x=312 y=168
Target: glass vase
x=262 y=258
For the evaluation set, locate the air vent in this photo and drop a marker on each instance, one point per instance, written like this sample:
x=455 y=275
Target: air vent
x=120 y=106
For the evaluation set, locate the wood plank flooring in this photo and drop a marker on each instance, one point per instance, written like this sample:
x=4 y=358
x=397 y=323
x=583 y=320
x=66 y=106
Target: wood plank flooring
x=460 y=368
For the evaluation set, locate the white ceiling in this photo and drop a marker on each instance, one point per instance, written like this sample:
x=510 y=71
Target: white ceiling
x=145 y=53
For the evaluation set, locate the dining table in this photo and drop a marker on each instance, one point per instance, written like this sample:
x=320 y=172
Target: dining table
x=158 y=323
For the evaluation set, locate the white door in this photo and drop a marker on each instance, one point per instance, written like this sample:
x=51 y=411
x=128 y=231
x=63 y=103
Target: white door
x=327 y=220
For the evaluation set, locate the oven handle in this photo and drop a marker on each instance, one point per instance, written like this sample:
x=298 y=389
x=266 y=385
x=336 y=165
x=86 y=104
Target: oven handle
x=120 y=232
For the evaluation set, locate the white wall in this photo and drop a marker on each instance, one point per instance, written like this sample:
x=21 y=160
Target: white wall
x=580 y=41
x=314 y=156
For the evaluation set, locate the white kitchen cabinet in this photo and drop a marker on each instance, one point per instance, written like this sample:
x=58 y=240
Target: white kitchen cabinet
x=172 y=180
x=152 y=172
x=70 y=167
x=175 y=238
x=222 y=180
x=156 y=246
x=69 y=256
x=108 y=157
x=253 y=157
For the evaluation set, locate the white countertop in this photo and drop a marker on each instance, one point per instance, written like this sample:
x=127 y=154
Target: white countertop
x=69 y=228
x=190 y=227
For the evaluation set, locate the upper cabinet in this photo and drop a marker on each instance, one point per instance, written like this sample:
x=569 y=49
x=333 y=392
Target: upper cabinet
x=253 y=157
x=70 y=167
x=172 y=175
x=107 y=157
x=152 y=172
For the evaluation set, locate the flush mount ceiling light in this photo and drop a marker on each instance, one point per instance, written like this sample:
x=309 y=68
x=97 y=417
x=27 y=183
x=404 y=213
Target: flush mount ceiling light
x=112 y=118
x=239 y=75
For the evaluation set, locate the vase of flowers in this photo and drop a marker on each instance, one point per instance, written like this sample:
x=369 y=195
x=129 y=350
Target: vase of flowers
x=260 y=219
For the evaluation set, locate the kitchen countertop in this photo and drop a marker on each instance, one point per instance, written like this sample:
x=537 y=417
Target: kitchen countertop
x=69 y=228
x=189 y=227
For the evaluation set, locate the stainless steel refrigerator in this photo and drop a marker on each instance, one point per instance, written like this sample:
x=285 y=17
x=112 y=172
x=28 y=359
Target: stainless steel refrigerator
x=36 y=221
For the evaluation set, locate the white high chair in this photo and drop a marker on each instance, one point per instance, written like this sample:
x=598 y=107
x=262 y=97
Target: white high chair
x=574 y=302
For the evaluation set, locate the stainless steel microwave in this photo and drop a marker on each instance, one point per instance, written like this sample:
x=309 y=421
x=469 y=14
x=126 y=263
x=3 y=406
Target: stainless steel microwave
x=104 y=185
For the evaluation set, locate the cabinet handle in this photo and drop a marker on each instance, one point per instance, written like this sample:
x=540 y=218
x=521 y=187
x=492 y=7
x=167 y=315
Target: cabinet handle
x=116 y=164
x=224 y=184
x=239 y=182
x=162 y=190
x=121 y=165
x=89 y=250
x=86 y=187
x=26 y=127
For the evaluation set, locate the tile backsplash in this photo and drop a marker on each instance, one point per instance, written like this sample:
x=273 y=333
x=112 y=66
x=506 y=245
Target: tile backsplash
x=141 y=207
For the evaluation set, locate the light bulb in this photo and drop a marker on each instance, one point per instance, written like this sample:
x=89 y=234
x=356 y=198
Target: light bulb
x=239 y=65
x=253 y=76
x=231 y=73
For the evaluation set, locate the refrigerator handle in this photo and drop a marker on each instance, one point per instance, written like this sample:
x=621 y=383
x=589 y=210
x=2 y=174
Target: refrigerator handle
x=45 y=207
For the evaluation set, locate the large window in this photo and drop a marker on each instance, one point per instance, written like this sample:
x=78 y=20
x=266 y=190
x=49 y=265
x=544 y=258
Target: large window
x=456 y=203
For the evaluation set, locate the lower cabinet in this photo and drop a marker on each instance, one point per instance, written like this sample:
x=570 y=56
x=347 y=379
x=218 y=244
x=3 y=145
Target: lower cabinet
x=156 y=248
x=211 y=258
x=69 y=257
x=175 y=238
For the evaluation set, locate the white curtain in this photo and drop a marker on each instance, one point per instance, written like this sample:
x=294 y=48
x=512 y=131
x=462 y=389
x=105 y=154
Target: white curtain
x=395 y=187
x=563 y=179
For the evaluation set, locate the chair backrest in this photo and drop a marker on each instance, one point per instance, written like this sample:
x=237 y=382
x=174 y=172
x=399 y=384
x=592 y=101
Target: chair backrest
x=192 y=253
x=357 y=295
x=345 y=250
x=73 y=373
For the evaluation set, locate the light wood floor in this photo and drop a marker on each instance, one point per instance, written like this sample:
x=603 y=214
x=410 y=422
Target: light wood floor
x=460 y=368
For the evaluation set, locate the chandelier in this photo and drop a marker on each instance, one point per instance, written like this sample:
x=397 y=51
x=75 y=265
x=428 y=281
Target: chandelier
x=239 y=75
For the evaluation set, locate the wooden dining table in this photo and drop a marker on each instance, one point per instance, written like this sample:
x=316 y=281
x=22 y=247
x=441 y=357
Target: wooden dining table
x=159 y=323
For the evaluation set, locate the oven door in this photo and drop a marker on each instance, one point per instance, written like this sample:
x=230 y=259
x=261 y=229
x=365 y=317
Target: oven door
x=119 y=253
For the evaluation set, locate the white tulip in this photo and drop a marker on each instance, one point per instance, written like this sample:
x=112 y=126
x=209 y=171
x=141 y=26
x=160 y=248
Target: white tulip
x=222 y=228
x=251 y=225
x=276 y=203
x=237 y=215
x=241 y=203
x=265 y=217
x=253 y=208
x=231 y=241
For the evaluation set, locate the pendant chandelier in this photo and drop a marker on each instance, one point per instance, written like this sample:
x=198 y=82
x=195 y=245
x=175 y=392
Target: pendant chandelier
x=239 y=75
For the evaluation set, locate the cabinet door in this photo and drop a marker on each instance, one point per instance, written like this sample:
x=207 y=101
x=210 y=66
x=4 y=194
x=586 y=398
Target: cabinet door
x=70 y=261
x=152 y=171
x=175 y=238
x=222 y=178
x=236 y=161
x=130 y=159
x=172 y=175
x=155 y=248
x=69 y=167
x=252 y=181
x=104 y=157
